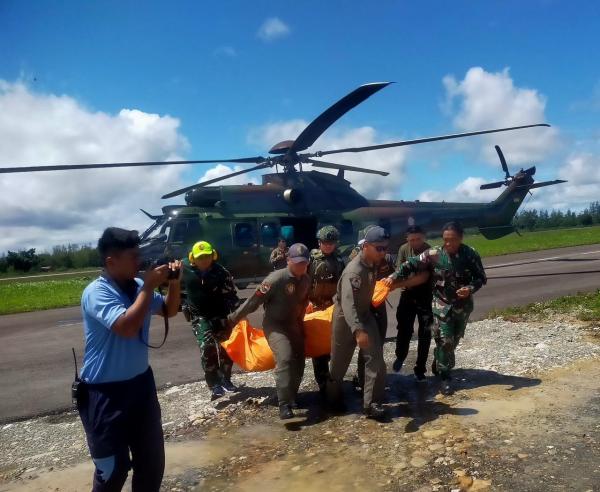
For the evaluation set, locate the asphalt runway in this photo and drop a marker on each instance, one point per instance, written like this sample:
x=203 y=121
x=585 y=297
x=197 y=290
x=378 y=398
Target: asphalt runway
x=36 y=363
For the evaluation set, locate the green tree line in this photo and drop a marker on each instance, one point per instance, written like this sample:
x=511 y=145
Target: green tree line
x=64 y=257
x=532 y=220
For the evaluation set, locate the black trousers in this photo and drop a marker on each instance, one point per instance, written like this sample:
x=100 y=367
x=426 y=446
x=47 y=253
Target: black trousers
x=120 y=419
x=409 y=308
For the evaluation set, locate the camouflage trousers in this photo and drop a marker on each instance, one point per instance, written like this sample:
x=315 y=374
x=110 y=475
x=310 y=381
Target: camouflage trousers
x=447 y=332
x=216 y=364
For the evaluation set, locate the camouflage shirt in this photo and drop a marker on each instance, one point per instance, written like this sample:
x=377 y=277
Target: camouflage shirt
x=324 y=272
x=448 y=273
x=278 y=258
x=210 y=294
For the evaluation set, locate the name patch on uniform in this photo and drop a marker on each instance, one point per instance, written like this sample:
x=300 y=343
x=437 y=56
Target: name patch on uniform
x=356 y=282
x=290 y=288
x=263 y=289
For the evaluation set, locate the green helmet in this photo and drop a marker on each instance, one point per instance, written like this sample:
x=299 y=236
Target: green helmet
x=328 y=233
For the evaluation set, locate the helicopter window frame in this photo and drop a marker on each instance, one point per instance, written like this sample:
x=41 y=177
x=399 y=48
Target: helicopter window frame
x=188 y=225
x=249 y=241
x=272 y=238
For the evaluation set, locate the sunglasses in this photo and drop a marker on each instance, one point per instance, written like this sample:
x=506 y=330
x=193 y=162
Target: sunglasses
x=379 y=249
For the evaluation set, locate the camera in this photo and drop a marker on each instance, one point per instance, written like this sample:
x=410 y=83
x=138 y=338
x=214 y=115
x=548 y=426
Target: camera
x=173 y=274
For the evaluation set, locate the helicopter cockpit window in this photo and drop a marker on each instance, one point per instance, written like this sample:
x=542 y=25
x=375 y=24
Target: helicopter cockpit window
x=244 y=235
x=179 y=232
x=269 y=233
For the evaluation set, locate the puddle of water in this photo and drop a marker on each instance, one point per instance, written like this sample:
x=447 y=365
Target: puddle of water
x=181 y=457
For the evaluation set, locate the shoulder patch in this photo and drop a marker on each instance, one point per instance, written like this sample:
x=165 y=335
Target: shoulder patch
x=356 y=282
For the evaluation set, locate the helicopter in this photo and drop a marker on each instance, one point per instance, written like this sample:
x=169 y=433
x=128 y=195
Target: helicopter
x=245 y=222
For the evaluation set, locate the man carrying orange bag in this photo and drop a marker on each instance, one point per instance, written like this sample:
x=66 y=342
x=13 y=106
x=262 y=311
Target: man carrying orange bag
x=284 y=295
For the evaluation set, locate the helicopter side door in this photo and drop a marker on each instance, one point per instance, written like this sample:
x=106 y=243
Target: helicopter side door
x=244 y=258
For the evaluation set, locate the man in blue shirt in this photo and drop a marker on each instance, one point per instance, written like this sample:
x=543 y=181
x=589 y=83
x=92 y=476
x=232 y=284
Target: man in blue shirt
x=118 y=404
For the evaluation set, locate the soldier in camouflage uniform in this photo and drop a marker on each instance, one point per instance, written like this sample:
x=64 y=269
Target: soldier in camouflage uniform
x=278 y=258
x=456 y=273
x=211 y=296
x=325 y=269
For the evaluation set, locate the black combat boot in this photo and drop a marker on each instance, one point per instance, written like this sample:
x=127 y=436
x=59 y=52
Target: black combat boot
x=376 y=411
x=285 y=412
x=216 y=392
x=446 y=387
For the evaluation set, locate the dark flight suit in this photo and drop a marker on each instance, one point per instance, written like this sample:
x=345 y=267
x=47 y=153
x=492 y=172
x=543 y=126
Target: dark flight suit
x=278 y=258
x=324 y=271
x=448 y=273
x=285 y=298
x=384 y=269
x=211 y=296
x=353 y=311
x=414 y=303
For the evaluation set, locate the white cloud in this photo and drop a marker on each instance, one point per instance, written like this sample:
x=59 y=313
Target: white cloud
x=373 y=186
x=273 y=28
x=466 y=191
x=485 y=100
x=44 y=209
x=582 y=172
x=221 y=170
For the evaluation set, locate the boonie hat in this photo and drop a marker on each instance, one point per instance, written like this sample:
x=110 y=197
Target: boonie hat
x=298 y=253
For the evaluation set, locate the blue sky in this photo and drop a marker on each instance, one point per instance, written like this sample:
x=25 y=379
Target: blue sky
x=206 y=64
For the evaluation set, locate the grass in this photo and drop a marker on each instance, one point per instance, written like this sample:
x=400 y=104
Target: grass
x=531 y=241
x=584 y=306
x=22 y=297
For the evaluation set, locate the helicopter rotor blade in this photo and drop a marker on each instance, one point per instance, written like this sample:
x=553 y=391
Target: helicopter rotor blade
x=328 y=117
x=542 y=184
x=422 y=140
x=502 y=161
x=74 y=167
x=490 y=186
x=215 y=180
x=333 y=165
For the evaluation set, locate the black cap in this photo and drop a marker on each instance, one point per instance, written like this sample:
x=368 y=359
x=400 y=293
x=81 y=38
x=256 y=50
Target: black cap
x=298 y=253
x=376 y=234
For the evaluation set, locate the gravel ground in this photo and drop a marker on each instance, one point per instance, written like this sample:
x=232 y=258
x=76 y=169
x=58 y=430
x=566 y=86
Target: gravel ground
x=517 y=349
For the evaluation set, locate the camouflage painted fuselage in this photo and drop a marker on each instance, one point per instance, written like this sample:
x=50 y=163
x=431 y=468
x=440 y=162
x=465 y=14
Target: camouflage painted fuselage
x=244 y=221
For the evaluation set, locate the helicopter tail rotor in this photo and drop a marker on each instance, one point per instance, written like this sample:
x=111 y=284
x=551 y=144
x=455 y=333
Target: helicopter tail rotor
x=523 y=173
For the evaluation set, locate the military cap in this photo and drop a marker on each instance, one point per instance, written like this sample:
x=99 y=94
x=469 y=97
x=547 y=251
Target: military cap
x=298 y=253
x=328 y=233
x=376 y=234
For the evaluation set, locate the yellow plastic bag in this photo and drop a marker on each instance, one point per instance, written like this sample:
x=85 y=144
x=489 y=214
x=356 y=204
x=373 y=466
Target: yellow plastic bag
x=248 y=348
